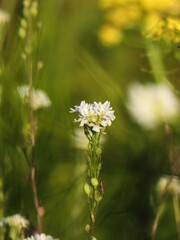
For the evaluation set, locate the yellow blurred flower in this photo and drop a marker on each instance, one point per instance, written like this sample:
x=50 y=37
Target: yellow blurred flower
x=109 y=35
x=160 y=19
x=110 y=3
x=157 y=28
x=164 y=6
x=153 y=27
x=123 y=17
x=173 y=24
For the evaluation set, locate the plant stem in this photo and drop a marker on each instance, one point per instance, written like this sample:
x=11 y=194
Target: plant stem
x=32 y=123
x=177 y=213
x=36 y=200
x=157 y=66
x=33 y=171
x=94 y=167
x=156 y=221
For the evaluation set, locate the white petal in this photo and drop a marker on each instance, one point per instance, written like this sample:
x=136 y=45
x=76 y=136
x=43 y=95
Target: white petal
x=96 y=128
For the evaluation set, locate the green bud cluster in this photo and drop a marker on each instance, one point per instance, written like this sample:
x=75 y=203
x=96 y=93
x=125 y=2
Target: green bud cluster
x=98 y=151
x=30 y=8
x=94 y=182
x=27 y=23
x=93 y=186
x=87 y=189
x=94 y=238
x=23 y=28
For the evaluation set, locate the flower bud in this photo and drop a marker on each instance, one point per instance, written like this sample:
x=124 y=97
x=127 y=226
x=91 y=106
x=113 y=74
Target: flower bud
x=87 y=189
x=94 y=182
x=87 y=228
x=26 y=12
x=26 y=3
x=99 y=167
x=98 y=197
x=98 y=151
x=28 y=50
x=23 y=55
x=23 y=23
x=22 y=33
x=34 y=9
x=93 y=218
x=40 y=65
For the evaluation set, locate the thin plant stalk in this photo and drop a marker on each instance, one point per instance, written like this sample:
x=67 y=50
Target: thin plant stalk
x=94 y=180
x=160 y=209
x=173 y=163
x=157 y=66
x=156 y=221
x=176 y=213
x=28 y=41
x=170 y=152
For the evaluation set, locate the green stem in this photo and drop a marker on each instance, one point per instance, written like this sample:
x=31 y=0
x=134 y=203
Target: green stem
x=93 y=179
x=155 y=59
x=31 y=160
x=176 y=213
x=156 y=221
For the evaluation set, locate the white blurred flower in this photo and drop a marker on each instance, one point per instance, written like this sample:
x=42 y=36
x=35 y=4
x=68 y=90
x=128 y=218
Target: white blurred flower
x=37 y=98
x=152 y=104
x=169 y=183
x=4 y=17
x=15 y=220
x=97 y=115
x=41 y=236
x=80 y=140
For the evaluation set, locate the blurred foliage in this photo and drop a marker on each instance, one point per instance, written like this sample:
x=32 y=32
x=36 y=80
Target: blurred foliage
x=77 y=67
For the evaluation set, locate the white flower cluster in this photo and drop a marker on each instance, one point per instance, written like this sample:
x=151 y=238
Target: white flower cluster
x=37 y=98
x=97 y=115
x=41 y=236
x=152 y=104
x=15 y=220
x=4 y=17
x=169 y=183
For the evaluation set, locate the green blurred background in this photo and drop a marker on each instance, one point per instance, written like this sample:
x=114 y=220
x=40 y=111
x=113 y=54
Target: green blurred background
x=77 y=67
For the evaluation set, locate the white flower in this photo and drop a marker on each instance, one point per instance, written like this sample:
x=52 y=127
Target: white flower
x=41 y=236
x=170 y=184
x=97 y=115
x=37 y=98
x=152 y=104
x=4 y=17
x=15 y=220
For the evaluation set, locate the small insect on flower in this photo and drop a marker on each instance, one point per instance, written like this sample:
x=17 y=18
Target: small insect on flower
x=96 y=116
